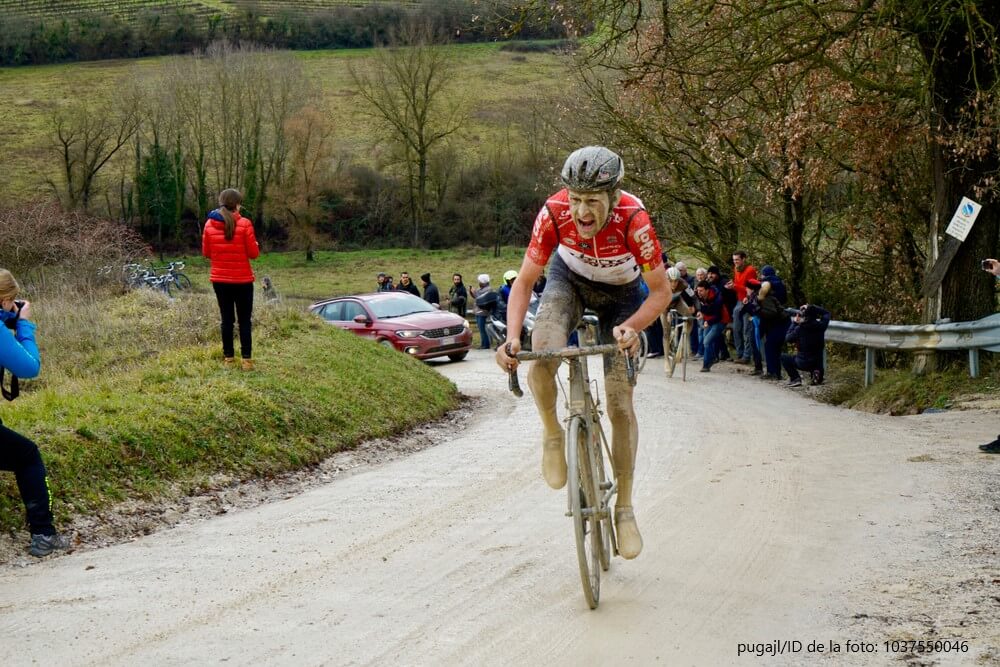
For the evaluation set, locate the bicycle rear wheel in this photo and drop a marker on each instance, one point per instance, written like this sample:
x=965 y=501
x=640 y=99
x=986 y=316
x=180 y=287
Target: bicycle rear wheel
x=583 y=503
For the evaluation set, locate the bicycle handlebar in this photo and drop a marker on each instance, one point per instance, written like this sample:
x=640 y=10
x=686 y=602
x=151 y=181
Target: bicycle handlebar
x=568 y=353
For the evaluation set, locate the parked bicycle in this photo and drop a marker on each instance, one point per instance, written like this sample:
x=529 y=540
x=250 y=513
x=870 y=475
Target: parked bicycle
x=590 y=488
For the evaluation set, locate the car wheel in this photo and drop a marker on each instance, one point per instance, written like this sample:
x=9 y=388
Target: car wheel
x=385 y=342
x=458 y=356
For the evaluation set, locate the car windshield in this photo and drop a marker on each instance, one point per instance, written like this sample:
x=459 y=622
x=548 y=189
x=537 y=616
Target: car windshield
x=399 y=305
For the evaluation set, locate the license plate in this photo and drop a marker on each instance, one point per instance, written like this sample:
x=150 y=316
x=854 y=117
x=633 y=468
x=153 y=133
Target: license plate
x=450 y=340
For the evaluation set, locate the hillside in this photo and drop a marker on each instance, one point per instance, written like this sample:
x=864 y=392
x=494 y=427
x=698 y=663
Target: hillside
x=499 y=85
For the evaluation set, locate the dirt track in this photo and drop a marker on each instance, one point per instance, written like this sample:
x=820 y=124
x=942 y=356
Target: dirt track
x=766 y=516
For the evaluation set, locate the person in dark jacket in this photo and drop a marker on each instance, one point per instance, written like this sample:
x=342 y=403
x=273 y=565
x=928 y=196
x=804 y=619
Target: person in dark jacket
x=719 y=280
x=458 y=296
x=431 y=294
x=406 y=284
x=773 y=319
x=713 y=316
x=807 y=331
x=383 y=283
x=20 y=357
x=229 y=243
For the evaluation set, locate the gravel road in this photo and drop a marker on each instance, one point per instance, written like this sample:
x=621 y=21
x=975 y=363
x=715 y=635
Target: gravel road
x=767 y=517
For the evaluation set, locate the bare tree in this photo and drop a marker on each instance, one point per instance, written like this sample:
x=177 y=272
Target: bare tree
x=309 y=167
x=85 y=137
x=407 y=93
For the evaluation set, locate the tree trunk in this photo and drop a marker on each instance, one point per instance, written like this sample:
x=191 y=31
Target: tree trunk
x=960 y=72
x=795 y=225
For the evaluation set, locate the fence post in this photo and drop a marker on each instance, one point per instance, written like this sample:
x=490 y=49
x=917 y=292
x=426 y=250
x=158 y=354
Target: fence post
x=869 y=366
x=974 y=362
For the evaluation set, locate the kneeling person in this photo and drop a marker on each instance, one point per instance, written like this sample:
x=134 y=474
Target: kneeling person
x=603 y=239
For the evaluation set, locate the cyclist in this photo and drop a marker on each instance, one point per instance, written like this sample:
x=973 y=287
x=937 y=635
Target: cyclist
x=603 y=239
x=683 y=300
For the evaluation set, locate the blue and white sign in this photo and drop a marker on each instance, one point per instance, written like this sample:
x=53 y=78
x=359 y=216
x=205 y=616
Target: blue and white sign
x=965 y=216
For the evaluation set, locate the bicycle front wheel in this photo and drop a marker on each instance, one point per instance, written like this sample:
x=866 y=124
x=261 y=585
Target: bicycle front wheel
x=182 y=281
x=674 y=350
x=584 y=503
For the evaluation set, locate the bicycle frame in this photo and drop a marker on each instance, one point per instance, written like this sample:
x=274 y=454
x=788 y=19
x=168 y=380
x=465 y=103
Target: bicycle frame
x=589 y=490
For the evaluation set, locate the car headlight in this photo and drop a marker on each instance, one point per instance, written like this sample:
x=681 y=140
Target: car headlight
x=409 y=333
x=465 y=323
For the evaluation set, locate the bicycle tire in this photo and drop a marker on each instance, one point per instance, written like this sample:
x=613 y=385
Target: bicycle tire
x=582 y=497
x=604 y=524
x=640 y=361
x=182 y=281
x=673 y=351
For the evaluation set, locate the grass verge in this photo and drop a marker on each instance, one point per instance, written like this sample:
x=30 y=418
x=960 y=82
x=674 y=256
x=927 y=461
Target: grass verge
x=155 y=410
x=898 y=391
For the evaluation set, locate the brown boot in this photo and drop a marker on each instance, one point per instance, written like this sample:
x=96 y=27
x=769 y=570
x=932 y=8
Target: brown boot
x=629 y=539
x=246 y=364
x=228 y=362
x=554 y=459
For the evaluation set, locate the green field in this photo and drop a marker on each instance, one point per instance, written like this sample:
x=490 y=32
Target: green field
x=499 y=87
x=129 y=10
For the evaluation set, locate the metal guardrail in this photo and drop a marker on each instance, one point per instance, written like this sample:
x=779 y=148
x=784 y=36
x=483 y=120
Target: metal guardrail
x=973 y=336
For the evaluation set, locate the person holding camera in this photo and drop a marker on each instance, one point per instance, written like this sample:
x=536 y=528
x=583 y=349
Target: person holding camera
x=807 y=330
x=19 y=455
x=229 y=243
x=992 y=266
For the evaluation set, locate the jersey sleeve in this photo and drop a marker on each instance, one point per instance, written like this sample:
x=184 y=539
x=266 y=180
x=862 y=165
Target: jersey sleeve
x=643 y=243
x=543 y=238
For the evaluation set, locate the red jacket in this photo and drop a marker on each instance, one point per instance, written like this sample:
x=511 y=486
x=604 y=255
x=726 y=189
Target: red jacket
x=230 y=259
x=740 y=279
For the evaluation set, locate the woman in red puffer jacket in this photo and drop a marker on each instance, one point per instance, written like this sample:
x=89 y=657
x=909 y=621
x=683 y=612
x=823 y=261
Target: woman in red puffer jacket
x=229 y=243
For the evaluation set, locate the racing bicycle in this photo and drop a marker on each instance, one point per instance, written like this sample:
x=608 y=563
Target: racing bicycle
x=590 y=487
x=678 y=342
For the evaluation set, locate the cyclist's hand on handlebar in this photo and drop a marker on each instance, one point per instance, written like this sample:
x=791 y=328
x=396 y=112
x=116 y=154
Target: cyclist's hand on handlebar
x=627 y=337
x=507 y=355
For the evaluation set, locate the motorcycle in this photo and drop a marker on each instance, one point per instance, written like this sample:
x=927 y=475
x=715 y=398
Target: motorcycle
x=496 y=324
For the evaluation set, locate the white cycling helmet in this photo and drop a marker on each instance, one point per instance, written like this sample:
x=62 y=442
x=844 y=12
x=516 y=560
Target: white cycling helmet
x=673 y=274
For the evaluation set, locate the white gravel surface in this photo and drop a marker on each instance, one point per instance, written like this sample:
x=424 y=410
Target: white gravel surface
x=767 y=517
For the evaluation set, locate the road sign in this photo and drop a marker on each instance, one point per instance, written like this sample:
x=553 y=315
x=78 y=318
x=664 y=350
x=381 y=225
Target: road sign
x=963 y=219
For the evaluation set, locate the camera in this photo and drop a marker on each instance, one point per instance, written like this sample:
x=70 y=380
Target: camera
x=987 y=265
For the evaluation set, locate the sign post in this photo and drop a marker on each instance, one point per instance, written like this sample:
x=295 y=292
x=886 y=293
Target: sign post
x=958 y=229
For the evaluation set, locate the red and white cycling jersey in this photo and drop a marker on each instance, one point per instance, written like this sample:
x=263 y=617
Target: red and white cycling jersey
x=623 y=248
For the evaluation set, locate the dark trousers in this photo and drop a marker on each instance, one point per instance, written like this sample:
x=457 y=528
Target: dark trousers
x=484 y=336
x=654 y=337
x=774 y=340
x=235 y=303
x=794 y=363
x=21 y=456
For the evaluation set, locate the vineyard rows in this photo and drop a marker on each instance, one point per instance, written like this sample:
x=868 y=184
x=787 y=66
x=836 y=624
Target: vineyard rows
x=129 y=10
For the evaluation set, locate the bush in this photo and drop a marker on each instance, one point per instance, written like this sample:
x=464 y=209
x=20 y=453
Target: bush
x=45 y=237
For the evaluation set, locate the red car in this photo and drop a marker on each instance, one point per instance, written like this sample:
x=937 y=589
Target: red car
x=400 y=320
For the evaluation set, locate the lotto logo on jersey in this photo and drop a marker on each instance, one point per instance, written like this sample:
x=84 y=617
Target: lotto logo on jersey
x=645 y=242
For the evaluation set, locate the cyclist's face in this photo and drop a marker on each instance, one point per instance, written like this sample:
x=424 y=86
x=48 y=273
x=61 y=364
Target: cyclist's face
x=589 y=211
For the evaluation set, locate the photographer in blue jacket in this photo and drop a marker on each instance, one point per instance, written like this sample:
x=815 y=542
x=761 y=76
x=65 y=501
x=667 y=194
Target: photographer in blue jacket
x=19 y=356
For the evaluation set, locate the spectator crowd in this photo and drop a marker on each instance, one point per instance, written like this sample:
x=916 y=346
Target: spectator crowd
x=740 y=315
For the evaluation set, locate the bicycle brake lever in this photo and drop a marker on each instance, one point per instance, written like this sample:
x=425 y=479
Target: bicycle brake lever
x=513 y=384
x=630 y=369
